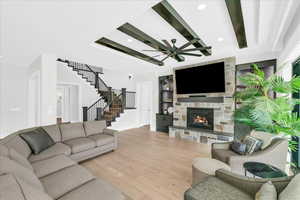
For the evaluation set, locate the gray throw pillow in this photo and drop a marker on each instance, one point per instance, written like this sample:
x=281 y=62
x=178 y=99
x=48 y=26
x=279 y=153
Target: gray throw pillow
x=238 y=147
x=252 y=144
x=38 y=140
x=266 y=192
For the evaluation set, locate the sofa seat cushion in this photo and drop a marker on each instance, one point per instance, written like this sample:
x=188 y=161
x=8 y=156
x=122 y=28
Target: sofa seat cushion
x=45 y=167
x=66 y=180
x=57 y=149
x=223 y=155
x=215 y=189
x=94 y=127
x=11 y=167
x=94 y=190
x=12 y=188
x=102 y=139
x=80 y=144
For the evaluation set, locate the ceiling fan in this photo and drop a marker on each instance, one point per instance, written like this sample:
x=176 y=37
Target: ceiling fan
x=173 y=51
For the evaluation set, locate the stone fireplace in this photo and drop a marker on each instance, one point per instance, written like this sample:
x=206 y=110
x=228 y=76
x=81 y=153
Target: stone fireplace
x=200 y=118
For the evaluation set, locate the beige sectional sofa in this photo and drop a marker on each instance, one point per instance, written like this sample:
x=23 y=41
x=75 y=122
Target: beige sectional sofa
x=54 y=173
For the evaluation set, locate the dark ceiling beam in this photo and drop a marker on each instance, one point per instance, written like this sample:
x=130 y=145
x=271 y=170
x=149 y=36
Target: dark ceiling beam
x=236 y=15
x=116 y=46
x=168 y=13
x=137 y=34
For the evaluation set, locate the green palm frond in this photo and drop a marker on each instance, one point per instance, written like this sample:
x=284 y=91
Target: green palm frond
x=248 y=93
x=258 y=71
x=260 y=111
x=295 y=84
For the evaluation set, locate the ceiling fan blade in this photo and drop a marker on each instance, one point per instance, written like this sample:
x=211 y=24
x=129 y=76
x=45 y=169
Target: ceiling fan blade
x=167 y=43
x=195 y=49
x=166 y=57
x=191 y=54
x=156 y=56
x=154 y=50
x=189 y=43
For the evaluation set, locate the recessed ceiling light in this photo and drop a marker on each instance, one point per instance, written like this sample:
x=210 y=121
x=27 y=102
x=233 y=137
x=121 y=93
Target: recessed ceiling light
x=220 y=39
x=201 y=6
x=129 y=40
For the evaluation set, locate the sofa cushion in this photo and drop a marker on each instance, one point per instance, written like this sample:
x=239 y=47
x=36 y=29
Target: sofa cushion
x=102 y=139
x=94 y=127
x=38 y=140
x=66 y=180
x=51 y=165
x=80 y=144
x=54 y=132
x=12 y=188
x=96 y=187
x=14 y=141
x=223 y=154
x=57 y=149
x=3 y=150
x=215 y=189
x=13 y=155
x=12 y=167
x=266 y=192
x=71 y=131
x=265 y=137
x=292 y=191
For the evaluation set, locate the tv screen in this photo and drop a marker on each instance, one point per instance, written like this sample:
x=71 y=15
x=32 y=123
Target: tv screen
x=201 y=79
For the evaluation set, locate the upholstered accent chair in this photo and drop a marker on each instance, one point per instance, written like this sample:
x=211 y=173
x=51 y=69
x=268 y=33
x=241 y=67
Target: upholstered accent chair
x=275 y=154
x=226 y=185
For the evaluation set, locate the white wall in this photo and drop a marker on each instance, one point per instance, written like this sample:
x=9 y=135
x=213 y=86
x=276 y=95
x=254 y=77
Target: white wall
x=13 y=99
x=46 y=66
x=118 y=79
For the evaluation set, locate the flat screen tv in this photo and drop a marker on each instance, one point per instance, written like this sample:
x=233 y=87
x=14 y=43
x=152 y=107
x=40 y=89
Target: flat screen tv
x=201 y=79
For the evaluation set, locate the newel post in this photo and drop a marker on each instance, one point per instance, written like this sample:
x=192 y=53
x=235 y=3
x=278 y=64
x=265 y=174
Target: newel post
x=123 y=99
x=84 y=113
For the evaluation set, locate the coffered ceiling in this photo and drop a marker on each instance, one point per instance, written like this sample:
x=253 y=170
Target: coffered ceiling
x=69 y=28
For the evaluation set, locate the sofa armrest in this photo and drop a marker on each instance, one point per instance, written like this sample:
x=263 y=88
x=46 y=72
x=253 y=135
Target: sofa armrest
x=221 y=145
x=110 y=131
x=250 y=185
x=114 y=133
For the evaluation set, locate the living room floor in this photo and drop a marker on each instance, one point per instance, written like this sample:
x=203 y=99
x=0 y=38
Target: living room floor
x=149 y=165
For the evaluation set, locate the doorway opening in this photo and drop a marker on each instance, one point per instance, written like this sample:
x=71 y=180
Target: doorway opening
x=67 y=99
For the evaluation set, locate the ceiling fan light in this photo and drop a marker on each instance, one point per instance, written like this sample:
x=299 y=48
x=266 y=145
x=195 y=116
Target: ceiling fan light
x=201 y=6
x=220 y=39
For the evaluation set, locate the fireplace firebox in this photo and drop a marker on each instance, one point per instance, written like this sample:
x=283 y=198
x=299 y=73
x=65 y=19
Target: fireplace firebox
x=200 y=118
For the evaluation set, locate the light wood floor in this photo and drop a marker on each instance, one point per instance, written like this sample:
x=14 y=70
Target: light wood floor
x=149 y=165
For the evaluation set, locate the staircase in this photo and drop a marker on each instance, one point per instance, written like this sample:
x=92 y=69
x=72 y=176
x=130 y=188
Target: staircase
x=111 y=102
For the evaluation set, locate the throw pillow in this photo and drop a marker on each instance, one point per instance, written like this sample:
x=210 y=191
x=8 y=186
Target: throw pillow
x=266 y=192
x=38 y=140
x=264 y=136
x=252 y=144
x=238 y=147
x=292 y=190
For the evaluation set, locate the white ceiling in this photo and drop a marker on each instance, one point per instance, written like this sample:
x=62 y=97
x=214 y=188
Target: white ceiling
x=69 y=28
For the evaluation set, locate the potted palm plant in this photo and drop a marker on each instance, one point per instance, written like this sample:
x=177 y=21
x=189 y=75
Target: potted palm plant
x=261 y=111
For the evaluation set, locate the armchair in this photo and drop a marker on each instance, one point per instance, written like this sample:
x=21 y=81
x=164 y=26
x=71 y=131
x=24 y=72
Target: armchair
x=227 y=185
x=275 y=154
